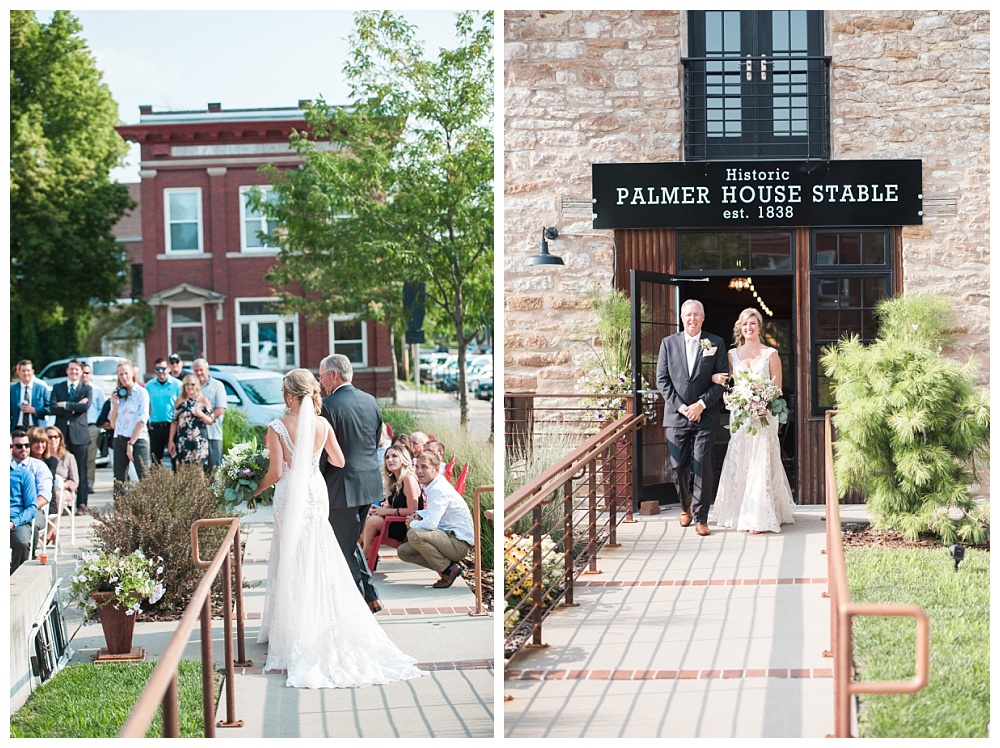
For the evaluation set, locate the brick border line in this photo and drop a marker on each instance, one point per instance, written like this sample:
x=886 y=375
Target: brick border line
x=429 y=667
x=701 y=582
x=776 y=673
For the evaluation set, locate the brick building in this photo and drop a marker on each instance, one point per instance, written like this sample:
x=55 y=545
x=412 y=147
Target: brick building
x=719 y=149
x=198 y=259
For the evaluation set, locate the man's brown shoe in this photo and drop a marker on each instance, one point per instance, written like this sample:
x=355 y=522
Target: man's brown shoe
x=685 y=518
x=702 y=529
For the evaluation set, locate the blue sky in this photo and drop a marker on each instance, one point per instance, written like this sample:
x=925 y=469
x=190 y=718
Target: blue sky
x=184 y=59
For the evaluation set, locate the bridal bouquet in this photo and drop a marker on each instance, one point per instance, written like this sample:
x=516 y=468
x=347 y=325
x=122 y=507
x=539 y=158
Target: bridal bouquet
x=240 y=473
x=752 y=397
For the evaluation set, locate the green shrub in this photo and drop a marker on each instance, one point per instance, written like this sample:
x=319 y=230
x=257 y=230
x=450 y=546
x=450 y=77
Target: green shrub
x=236 y=428
x=912 y=429
x=156 y=515
x=402 y=421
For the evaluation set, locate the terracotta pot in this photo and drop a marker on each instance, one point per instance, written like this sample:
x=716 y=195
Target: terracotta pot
x=118 y=627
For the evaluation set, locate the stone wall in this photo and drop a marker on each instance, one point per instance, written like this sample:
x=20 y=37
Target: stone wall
x=582 y=87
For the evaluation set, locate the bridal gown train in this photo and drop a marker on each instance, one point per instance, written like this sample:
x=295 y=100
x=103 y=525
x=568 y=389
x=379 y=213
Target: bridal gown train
x=753 y=489
x=327 y=637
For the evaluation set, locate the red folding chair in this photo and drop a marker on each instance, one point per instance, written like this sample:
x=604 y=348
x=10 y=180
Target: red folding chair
x=460 y=483
x=449 y=469
x=383 y=538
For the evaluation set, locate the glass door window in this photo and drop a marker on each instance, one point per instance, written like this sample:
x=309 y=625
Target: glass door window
x=187 y=332
x=267 y=338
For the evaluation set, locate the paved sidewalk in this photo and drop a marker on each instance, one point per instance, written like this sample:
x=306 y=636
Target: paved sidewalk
x=455 y=698
x=681 y=636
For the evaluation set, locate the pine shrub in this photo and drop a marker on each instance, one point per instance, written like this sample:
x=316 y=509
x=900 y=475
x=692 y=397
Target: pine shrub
x=156 y=515
x=912 y=429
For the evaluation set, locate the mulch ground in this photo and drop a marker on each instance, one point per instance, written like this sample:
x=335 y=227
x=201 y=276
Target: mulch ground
x=861 y=535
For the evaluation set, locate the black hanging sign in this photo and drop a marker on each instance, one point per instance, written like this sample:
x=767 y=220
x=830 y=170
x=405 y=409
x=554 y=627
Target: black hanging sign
x=727 y=194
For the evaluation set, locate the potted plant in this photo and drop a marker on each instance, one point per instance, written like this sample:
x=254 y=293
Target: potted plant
x=112 y=586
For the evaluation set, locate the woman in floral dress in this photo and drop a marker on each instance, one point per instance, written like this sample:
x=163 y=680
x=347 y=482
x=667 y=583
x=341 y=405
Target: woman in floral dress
x=188 y=441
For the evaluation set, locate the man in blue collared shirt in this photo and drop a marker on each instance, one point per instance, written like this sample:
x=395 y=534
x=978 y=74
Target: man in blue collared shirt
x=163 y=393
x=23 y=498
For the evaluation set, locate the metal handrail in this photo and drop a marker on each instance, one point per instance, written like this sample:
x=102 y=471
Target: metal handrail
x=843 y=612
x=162 y=686
x=478 y=560
x=554 y=486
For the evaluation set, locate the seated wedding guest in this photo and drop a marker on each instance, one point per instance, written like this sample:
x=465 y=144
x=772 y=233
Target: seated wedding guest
x=440 y=535
x=418 y=439
x=38 y=449
x=22 y=507
x=37 y=469
x=66 y=468
x=403 y=440
x=402 y=494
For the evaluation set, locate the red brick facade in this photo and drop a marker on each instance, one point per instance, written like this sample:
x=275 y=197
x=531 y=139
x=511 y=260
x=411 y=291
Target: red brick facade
x=209 y=156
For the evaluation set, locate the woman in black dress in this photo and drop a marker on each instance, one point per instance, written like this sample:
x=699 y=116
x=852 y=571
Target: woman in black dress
x=402 y=497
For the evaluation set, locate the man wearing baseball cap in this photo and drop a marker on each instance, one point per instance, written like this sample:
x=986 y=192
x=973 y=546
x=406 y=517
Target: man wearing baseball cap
x=176 y=366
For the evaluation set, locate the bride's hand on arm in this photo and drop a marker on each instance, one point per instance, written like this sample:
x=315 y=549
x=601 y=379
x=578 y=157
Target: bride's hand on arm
x=335 y=455
x=723 y=376
x=275 y=459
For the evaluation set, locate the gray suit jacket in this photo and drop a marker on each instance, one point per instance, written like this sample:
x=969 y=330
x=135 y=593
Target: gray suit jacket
x=680 y=388
x=357 y=422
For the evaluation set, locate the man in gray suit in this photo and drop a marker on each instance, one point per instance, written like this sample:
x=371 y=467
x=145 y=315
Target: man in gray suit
x=684 y=370
x=357 y=422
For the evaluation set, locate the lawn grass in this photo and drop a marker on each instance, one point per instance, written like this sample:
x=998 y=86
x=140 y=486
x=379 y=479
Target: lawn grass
x=956 y=701
x=93 y=701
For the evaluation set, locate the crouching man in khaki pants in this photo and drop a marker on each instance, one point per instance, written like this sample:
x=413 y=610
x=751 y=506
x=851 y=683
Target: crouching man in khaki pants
x=440 y=535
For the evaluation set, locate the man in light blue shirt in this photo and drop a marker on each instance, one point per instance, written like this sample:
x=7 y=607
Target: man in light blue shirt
x=23 y=509
x=163 y=393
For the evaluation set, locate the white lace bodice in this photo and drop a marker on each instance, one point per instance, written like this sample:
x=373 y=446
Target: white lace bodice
x=762 y=365
x=289 y=447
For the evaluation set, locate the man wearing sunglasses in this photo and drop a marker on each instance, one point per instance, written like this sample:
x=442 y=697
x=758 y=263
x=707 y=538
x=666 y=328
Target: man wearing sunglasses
x=23 y=497
x=39 y=473
x=163 y=393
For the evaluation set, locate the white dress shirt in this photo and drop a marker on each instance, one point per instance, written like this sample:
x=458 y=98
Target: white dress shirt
x=446 y=510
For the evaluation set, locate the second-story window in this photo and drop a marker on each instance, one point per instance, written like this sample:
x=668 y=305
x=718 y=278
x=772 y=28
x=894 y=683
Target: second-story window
x=253 y=222
x=182 y=218
x=756 y=85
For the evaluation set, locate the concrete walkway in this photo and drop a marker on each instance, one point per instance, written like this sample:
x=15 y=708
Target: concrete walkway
x=680 y=636
x=455 y=698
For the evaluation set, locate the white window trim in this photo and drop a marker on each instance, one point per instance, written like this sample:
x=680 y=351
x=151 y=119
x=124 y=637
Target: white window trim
x=264 y=188
x=364 y=336
x=200 y=249
x=171 y=326
x=280 y=319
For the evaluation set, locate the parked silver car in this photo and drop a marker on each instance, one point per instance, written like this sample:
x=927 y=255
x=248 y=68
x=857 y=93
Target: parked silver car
x=256 y=392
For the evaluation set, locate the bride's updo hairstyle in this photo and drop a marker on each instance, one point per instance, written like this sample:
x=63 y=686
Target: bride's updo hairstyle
x=301 y=384
x=746 y=314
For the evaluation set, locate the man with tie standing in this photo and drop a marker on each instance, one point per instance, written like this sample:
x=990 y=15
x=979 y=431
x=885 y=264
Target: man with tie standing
x=29 y=398
x=684 y=370
x=70 y=402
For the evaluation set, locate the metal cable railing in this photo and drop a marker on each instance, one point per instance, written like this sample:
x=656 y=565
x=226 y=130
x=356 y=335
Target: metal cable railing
x=843 y=612
x=555 y=525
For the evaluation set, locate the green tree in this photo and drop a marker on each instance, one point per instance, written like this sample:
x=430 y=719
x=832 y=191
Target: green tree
x=63 y=205
x=406 y=191
x=911 y=429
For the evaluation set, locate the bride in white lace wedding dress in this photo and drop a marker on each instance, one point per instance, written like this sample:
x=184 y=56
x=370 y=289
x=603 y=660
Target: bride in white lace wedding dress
x=317 y=626
x=754 y=494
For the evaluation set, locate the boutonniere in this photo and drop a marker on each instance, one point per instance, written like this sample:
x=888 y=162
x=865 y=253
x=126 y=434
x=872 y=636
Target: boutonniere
x=707 y=349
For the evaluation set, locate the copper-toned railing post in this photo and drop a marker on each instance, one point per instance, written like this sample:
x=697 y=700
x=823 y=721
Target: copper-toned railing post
x=592 y=516
x=227 y=628
x=171 y=710
x=477 y=524
x=240 y=612
x=536 y=576
x=612 y=502
x=568 y=558
x=207 y=669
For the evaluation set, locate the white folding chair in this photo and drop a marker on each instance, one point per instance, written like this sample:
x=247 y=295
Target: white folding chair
x=54 y=521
